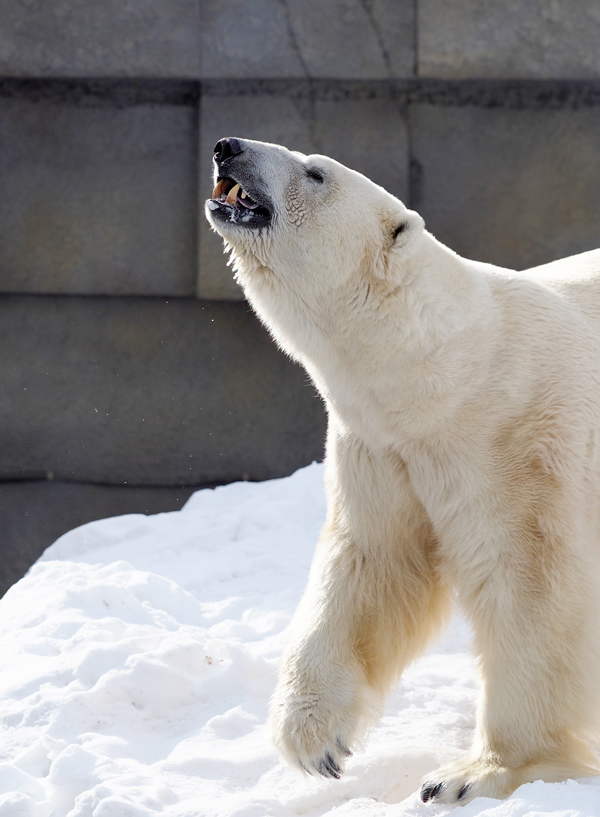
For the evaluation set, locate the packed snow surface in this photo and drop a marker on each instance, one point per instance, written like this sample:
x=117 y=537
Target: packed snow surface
x=139 y=655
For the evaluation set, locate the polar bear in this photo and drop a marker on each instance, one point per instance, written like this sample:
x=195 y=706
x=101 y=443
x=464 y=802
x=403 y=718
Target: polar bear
x=462 y=461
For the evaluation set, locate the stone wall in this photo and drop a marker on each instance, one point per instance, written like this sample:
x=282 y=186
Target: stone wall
x=132 y=370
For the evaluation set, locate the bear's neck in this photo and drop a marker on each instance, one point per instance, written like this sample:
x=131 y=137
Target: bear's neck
x=396 y=350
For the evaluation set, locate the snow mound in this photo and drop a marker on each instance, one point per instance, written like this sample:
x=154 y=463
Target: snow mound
x=140 y=655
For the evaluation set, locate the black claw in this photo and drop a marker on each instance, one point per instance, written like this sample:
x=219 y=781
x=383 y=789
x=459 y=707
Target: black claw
x=464 y=790
x=437 y=790
x=332 y=765
x=425 y=792
x=430 y=790
x=307 y=770
x=328 y=767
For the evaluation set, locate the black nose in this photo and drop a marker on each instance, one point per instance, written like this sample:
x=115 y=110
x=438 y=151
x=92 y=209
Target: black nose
x=226 y=148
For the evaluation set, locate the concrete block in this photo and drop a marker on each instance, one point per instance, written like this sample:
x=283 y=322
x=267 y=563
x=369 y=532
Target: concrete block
x=148 y=391
x=514 y=187
x=34 y=514
x=540 y=39
x=340 y=39
x=97 y=198
x=343 y=124
x=75 y=38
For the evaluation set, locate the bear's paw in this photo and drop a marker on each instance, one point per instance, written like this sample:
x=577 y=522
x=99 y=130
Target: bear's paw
x=466 y=779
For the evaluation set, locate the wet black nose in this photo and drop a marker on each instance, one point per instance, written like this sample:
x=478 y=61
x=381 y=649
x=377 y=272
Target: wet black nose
x=226 y=148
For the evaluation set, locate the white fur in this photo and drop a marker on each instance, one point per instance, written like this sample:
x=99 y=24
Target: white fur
x=463 y=458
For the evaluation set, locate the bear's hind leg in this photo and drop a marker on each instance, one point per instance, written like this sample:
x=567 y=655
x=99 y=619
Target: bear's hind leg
x=535 y=616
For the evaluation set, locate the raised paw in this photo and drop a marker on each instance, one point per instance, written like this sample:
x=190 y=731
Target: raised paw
x=312 y=738
x=314 y=730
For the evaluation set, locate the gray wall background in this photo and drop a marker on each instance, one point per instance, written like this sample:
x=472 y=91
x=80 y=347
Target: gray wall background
x=132 y=371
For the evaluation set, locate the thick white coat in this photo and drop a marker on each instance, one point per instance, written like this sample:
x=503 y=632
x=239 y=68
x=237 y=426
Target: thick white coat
x=463 y=459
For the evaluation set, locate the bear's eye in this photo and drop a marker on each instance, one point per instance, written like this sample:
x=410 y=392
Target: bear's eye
x=315 y=174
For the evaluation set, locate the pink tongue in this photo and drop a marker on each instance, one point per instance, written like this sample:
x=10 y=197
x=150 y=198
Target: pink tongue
x=248 y=202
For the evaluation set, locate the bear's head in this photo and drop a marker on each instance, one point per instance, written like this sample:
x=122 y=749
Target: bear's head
x=307 y=226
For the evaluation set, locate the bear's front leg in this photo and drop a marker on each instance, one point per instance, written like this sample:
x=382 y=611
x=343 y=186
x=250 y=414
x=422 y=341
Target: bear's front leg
x=323 y=701
x=372 y=603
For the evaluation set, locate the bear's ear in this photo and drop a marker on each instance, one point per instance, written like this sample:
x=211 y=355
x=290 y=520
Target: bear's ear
x=399 y=229
x=405 y=227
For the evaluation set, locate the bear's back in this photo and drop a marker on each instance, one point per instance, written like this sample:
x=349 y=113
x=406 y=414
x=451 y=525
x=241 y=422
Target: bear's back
x=576 y=278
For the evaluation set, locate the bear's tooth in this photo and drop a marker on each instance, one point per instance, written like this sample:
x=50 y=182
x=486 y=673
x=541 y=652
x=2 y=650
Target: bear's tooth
x=243 y=194
x=232 y=195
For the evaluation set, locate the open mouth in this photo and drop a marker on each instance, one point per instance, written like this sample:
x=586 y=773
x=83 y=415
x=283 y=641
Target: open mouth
x=231 y=201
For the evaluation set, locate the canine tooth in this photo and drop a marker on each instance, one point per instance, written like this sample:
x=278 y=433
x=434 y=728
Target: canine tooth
x=243 y=194
x=232 y=195
x=218 y=191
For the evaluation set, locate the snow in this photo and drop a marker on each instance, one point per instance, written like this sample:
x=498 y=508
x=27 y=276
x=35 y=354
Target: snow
x=139 y=655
